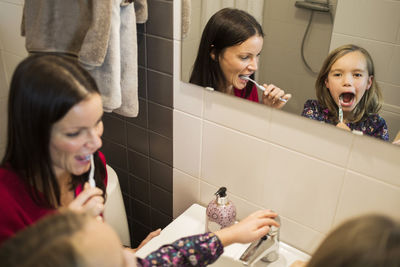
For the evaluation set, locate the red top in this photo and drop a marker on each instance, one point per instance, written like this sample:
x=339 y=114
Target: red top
x=252 y=97
x=17 y=208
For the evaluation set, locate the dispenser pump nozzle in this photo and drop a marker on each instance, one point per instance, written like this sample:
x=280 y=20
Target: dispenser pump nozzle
x=221 y=192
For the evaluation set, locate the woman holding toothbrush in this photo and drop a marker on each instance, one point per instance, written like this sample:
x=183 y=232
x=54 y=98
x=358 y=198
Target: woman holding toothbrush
x=228 y=58
x=54 y=127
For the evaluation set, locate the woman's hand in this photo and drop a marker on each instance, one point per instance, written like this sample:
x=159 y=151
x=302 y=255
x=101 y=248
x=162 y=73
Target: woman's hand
x=90 y=200
x=299 y=264
x=253 y=227
x=147 y=239
x=272 y=94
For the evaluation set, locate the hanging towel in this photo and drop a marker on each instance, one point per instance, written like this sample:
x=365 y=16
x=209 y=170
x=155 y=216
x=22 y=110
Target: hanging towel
x=141 y=11
x=186 y=14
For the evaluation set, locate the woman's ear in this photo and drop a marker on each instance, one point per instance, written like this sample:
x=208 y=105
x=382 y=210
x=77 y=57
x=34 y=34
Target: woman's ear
x=212 y=54
x=370 y=79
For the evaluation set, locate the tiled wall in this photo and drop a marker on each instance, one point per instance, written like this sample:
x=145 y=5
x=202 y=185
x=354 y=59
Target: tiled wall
x=139 y=149
x=314 y=175
x=376 y=28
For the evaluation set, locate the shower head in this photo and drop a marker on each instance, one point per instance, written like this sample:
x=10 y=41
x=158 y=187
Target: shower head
x=311 y=5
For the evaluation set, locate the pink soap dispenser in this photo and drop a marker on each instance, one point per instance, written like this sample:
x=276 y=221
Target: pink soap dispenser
x=220 y=212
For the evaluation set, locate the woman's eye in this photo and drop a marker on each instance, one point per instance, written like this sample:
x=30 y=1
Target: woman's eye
x=357 y=74
x=73 y=134
x=244 y=57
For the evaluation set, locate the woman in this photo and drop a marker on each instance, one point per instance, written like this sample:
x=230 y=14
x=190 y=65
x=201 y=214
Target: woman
x=229 y=49
x=76 y=239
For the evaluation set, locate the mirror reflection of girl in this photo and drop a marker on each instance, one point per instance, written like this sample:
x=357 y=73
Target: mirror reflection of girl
x=347 y=78
x=230 y=46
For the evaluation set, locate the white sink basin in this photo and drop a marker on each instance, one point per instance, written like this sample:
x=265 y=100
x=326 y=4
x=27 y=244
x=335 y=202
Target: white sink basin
x=192 y=222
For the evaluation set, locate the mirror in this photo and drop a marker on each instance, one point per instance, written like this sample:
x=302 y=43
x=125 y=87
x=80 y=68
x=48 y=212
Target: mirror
x=372 y=24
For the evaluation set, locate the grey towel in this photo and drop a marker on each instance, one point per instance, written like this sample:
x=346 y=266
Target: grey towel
x=141 y=11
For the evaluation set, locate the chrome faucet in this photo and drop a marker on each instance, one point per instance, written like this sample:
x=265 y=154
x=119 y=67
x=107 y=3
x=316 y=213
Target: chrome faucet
x=266 y=249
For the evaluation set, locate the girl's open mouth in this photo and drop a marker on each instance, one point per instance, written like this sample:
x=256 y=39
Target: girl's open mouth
x=347 y=99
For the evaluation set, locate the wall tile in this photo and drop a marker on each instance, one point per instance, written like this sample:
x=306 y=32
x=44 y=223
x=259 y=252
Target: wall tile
x=140 y=212
x=160 y=148
x=160 y=18
x=142 y=83
x=115 y=154
x=159 y=56
x=160 y=88
x=159 y=219
x=237 y=113
x=138 y=233
x=138 y=139
x=3 y=83
x=187 y=143
x=123 y=178
x=138 y=165
x=160 y=119
x=188 y=98
x=185 y=190
x=161 y=175
x=228 y=160
x=362 y=194
x=142 y=118
x=176 y=20
x=3 y=121
x=10 y=25
x=140 y=189
x=142 y=49
x=287 y=189
x=10 y=62
x=331 y=141
x=114 y=129
x=384 y=167
x=161 y=199
x=394 y=66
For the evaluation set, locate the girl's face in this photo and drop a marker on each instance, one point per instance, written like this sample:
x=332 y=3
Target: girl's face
x=76 y=136
x=349 y=79
x=240 y=59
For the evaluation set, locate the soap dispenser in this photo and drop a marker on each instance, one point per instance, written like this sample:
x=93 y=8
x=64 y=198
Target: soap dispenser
x=220 y=212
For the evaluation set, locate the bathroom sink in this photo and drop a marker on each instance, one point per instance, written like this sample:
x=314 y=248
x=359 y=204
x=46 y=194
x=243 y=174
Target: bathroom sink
x=192 y=222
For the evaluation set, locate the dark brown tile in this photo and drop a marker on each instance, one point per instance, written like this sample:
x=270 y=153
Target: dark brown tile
x=141 y=27
x=127 y=203
x=138 y=165
x=160 y=119
x=161 y=200
x=161 y=175
x=160 y=148
x=141 y=119
x=140 y=189
x=142 y=83
x=160 y=18
x=123 y=179
x=140 y=212
x=115 y=155
x=141 y=44
x=138 y=139
x=160 y=88
x=114 y=129
x=159 y=220
x=138 y=233
x=159 y=54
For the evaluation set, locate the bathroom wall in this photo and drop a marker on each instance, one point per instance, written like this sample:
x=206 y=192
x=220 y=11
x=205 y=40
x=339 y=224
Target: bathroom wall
x=314 y=175
x=139 y=149
x=377 y=28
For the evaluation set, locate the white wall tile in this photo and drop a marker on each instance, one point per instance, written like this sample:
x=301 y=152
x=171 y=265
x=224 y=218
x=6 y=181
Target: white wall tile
x=186 y=192
x=384 y=165
x=361 y=195
x=305 y=191
x=392 y=121
x=376 y=20
x=10 y=62
x=10 y=25
x=189 y=98
x=177 y=19
x=391 y=93
x=187 y=143
x=394 y=68
x=16 y=2
x=237 y=113
x=228 y=159
x=301 y=134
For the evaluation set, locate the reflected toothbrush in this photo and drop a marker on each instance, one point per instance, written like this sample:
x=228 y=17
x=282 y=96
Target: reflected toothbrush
x=258 y=86
x=340 y=109
x=91 y=173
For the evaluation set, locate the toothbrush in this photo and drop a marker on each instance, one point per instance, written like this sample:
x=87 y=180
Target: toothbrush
x=340 y=109
x=91 y=173
x=258 y=86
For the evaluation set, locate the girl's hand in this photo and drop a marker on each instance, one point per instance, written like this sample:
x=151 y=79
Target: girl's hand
x=299 y=264
x=253 y=227
x=342 y=125
x=272 y=94
x=90 y=200
x=147 y=239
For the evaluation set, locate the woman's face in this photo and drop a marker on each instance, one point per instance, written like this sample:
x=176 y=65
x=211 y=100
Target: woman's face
x=76 y=136
x=239 y=60
x=349 y=79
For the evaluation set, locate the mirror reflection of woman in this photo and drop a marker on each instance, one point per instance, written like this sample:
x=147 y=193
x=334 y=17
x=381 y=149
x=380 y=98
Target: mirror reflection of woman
x=230 y=47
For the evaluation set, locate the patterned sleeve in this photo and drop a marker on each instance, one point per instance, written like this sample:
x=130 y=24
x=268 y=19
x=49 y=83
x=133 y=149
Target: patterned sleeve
x=378 y=128
x=310 y=110
x=197 y=250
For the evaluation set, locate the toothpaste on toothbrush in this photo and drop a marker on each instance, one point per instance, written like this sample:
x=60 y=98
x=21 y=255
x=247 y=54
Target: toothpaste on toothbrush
x=91 y=173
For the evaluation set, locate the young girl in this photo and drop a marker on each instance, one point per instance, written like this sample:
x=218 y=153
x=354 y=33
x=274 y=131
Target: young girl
x=348 y=95
x=229 y=49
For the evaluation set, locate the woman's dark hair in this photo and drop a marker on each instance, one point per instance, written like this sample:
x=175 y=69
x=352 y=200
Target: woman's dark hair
x=366 y=241
x=227 y=27
x=43 y=89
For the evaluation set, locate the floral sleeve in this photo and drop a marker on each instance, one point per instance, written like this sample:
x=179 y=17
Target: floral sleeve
x=197 y=250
